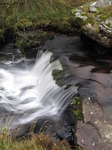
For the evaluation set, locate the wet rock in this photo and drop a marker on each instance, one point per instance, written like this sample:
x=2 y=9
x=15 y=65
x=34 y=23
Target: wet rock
x=102 y=39
x=96 y=131
x=9 y=52
x=58 y=127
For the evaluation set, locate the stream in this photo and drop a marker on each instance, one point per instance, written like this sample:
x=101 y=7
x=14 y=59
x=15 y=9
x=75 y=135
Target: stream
x=28 y=92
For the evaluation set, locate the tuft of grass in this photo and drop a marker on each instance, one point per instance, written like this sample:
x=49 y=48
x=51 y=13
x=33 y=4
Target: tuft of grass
x=35 y=142
x=77 y=3
x=106 y=13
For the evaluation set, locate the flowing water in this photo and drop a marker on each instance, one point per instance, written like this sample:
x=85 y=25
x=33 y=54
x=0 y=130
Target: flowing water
x=92 y=72
x=30 y=92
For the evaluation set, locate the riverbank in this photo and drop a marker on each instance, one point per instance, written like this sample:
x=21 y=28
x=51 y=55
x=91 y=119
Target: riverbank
x=23 y=23
x=21 y=15
x=94 y=23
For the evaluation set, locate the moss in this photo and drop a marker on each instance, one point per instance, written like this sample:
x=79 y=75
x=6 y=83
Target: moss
x=27 y=39
x=58 y=74
x=77 y=108
x=20 y=45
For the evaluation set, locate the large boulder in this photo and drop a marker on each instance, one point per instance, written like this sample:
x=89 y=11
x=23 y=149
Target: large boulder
x=94 y=21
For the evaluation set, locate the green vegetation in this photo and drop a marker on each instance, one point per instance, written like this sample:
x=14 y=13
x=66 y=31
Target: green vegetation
x=107 y=11
x=20 y=14
x=58 y=74
x=30 y=39
x=93 y=18
x=23 y=14
x=77 y=108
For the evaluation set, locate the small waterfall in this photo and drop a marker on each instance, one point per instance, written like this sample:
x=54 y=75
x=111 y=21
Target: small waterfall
x=29 y=93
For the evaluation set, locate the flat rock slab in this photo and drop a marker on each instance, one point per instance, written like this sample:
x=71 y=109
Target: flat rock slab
x=96 y=131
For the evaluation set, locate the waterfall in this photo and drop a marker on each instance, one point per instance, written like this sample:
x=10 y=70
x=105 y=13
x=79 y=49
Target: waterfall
x=28 y=93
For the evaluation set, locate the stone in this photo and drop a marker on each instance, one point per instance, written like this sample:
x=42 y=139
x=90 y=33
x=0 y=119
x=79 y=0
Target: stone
x=103 y=3
x=95 y=25
x=99 y=4
x=108 y=22
x=78 y=14
x=96 y=131
x=92 y=7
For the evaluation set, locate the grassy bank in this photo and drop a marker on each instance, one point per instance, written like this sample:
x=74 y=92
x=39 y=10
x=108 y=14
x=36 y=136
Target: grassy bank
x=20 y=14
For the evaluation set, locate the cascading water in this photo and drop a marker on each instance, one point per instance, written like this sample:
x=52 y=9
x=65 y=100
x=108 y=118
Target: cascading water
x=29 y=93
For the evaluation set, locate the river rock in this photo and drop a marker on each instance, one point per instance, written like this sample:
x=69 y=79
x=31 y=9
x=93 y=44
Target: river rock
x=99 y=4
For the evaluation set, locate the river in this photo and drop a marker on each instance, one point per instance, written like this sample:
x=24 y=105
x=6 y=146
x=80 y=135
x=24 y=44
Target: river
x=28 y=90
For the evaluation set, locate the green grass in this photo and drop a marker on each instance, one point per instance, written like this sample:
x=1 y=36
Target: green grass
x=33 y=13
x=106 y=13
x=20 y=14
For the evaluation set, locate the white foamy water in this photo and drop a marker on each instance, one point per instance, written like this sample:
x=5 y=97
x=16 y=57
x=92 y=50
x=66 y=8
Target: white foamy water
x=29 y=93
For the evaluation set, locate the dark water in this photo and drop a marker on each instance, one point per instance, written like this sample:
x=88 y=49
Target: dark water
x=92 y=73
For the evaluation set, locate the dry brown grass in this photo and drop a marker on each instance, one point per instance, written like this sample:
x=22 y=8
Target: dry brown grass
x=78 y=3
x=35 y=142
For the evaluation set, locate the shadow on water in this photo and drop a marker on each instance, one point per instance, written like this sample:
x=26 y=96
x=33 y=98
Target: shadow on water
x=92 y=72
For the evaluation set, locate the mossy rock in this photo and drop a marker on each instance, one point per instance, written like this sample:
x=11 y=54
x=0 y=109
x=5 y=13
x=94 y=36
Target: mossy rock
x=76 y=107
x=58 y=74
x=27 y=40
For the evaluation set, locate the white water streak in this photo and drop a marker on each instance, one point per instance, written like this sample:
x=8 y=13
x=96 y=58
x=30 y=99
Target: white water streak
x=26 y=94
